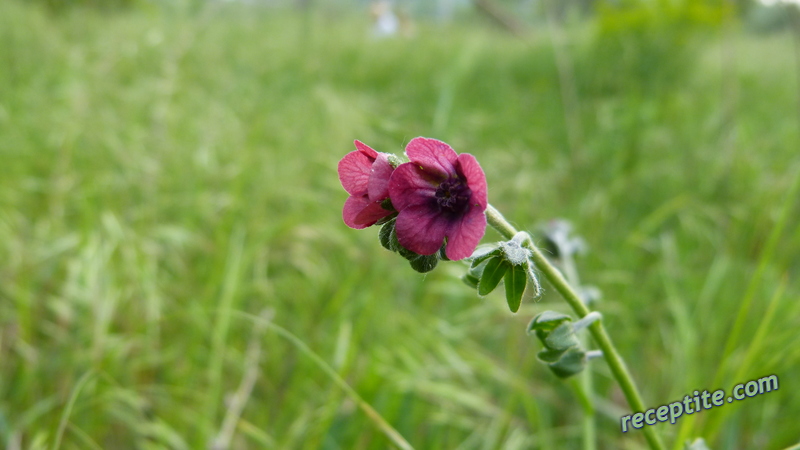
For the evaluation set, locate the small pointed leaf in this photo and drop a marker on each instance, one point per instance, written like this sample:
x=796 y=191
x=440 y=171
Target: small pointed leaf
x=561 y=338
x=515 y=280
x=492 y=274
x=550 y=356
x=547 y=320
x=470 y=280
x=473 y=276
x=477 y=260
x=571 y=363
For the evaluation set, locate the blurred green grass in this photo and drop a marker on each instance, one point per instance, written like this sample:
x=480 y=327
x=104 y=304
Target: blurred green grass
x=165 y=172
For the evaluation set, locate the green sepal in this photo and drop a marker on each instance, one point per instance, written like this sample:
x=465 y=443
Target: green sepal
x=549 y=355
x=388 y=236
x=492 y=274
x=515 y=280
x=442 y=254
x=562 y=338
x=571 y=363
x=394 y=160
x=387 y=204
x=547 y=321
x=424 y=263
x=406 y=253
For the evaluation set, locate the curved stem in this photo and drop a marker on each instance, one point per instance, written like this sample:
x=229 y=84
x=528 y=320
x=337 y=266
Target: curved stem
x=557 y=280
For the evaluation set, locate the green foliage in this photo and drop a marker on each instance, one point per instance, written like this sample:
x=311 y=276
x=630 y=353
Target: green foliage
x=493 y=273
x=646 y=45
x=515 y=281
x=164 y=179
x=102 y=5
x=557 y=333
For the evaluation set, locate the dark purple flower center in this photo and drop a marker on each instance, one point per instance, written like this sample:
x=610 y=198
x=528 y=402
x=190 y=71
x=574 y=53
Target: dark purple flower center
x=453 y=195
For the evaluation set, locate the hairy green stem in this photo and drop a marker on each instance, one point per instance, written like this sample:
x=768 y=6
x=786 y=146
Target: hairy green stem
x=612 y=357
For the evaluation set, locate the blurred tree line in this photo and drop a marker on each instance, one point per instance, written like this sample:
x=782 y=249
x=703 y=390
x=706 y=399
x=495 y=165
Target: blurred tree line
x=614 y=15
x=562 y=7
x=109 y=5
x=640 y=45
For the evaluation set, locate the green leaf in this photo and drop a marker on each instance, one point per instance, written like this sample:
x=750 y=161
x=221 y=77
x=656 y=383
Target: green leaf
x=549 y=355
x=484 y=256
x=573 y=361
x=388 y=237
x=515 y=280
x=492 y=274
x=561 y=338
x=547 y=321
x=470 y=280
x=473 y=276
x=542 y=335
x=424 y=263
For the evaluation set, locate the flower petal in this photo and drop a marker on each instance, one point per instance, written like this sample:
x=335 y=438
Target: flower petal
x=464 y=234
x=360 y=213
x=433 y=155
x=409 y=186
x=365 y=149
x=378 y=186
x=371 y=214
x=420 y=229
x=476 y=179
x=354 y=171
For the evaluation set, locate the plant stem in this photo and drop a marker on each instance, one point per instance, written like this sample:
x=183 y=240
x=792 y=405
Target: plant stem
x=612 y=357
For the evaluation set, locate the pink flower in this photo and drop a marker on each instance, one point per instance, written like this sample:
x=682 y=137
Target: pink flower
x=364 y=174
x=439 y=195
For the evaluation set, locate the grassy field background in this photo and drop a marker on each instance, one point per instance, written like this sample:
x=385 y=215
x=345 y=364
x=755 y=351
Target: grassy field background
x=168 y=188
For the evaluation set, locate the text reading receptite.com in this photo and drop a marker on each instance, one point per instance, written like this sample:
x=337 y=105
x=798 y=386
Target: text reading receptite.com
x=698 y=402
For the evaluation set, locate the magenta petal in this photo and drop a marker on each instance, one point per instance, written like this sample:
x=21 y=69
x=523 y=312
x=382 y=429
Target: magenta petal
x=410 y=186
x=360 y=213
x=352 y=207
x=420 y=230
x=464 y=234
x=433 y=155
x=354 y=171
x=378 y=186
x=476 y=179
x=365 y=149
x=371 y=214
